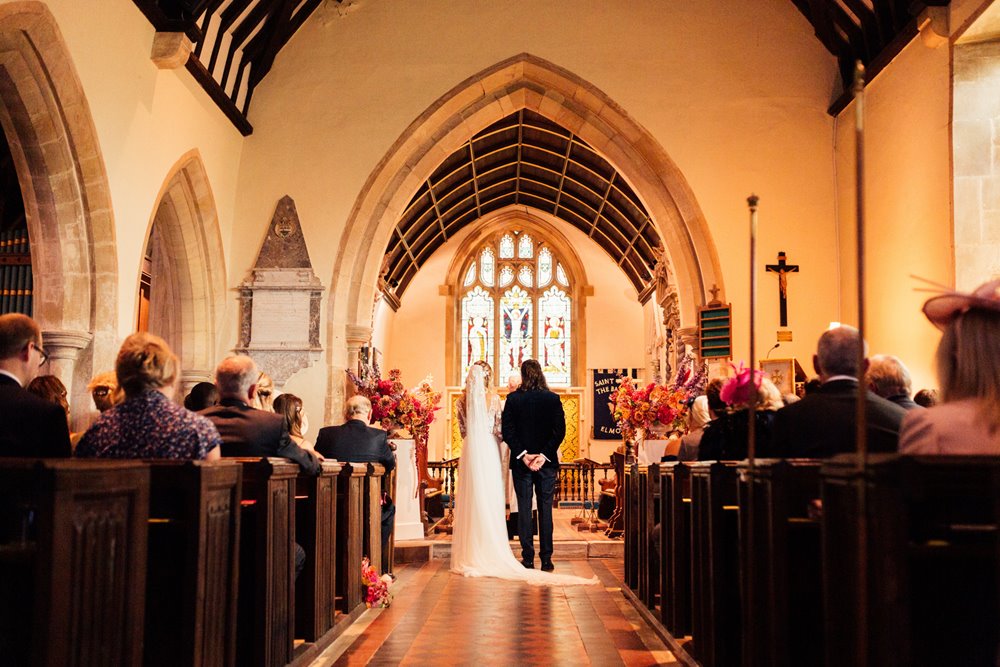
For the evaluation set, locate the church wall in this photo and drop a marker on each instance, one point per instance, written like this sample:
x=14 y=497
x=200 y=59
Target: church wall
x=145 y=119
x=908 y=204
x=712 y=82
x=414 y=337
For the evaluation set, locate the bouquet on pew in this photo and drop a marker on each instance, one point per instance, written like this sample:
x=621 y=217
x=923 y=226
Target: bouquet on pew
x=394 y=406
x=376 y=587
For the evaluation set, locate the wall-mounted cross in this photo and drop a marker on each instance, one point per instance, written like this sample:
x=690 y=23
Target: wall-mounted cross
x=783 y=269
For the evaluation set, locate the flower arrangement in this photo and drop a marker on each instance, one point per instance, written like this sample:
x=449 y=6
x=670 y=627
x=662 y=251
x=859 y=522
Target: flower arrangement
x=636 y=408
x=394 y=406
x=376 y=587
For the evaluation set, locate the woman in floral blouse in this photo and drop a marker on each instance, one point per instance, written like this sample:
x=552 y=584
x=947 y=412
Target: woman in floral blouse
x=148 y=424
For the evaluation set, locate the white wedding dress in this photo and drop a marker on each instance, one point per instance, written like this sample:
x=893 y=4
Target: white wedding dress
x=479 y=546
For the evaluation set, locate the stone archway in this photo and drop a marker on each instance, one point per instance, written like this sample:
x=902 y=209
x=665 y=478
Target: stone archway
x=528 y=82
x=47 y=121
x=188 y=286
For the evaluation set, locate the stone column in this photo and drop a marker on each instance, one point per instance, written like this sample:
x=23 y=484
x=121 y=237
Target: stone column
x=63 y=348
x=357 y=336
x=190 y=378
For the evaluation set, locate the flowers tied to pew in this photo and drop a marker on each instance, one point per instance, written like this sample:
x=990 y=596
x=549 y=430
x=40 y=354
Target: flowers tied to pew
x=636 y=408
x=376 y=587
x=394 y=406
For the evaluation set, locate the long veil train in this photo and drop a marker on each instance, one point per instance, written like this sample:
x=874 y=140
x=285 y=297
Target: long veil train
x=479 y=545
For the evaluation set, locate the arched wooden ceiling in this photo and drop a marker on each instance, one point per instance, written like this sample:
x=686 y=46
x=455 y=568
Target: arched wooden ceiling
x=529 y=160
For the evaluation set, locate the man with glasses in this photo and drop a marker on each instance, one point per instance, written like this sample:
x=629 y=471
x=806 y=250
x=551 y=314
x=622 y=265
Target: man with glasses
x=29 y=425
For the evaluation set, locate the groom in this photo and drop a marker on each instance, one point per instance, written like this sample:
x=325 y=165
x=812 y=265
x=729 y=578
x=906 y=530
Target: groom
x=533 y=428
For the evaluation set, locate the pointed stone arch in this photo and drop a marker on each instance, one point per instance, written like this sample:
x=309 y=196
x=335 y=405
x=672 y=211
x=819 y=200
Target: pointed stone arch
x=189 y=286
x=47 y=121
x=523 y=81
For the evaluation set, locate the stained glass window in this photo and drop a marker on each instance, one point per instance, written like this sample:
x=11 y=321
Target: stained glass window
x=554 y=322
x=525 y=247
x=544 y=267
x=506 y=275
x=512 y=310
x=507 y=247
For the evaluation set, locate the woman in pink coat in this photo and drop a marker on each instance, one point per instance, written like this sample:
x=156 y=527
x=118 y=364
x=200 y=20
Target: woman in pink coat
x=968 y=365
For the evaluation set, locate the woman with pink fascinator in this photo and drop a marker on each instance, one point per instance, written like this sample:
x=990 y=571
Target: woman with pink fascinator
x=968 y=366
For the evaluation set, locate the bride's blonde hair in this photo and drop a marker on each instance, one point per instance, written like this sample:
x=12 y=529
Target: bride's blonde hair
x=487 y=372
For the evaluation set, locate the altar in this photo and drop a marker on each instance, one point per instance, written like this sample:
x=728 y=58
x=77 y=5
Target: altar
x=651 y=451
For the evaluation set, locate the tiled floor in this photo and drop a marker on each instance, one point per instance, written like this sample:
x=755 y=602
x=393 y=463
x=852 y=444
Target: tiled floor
x=438 y=618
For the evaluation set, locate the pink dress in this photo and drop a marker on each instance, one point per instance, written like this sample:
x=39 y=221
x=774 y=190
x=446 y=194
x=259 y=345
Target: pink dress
x=949 y=428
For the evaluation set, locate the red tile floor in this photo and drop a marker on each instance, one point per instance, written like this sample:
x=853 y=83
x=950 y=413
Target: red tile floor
x=438 y=618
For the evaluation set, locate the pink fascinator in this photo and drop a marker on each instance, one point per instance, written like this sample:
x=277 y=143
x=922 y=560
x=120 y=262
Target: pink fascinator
x=736 y=390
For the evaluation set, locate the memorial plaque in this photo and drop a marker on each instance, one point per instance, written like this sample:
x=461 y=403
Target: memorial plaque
x=280 y=319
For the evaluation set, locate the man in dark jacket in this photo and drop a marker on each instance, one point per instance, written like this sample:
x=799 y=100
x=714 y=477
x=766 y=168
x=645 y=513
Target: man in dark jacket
x=534 y=426
x=823 y=423
x=29 y=426
x=357 y=442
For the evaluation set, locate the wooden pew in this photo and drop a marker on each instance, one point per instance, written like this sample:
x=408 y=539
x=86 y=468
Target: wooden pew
x=72 y=561
x=675 y=546
x=649 y=583
x=932 y=560
x=266 y=616
x=193 y=564
x=715 y=587
x=780 y=572
x=350 y=533
x=372 y=508
x=315 y=531
x=631 y=522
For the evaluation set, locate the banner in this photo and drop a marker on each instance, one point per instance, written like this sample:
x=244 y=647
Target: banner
x=605 y=383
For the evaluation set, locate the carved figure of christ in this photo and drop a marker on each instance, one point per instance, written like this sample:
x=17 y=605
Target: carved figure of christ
x=783 y=269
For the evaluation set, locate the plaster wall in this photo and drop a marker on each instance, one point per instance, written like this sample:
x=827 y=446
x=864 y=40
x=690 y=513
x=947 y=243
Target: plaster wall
x=712 y=82
x=907 y=204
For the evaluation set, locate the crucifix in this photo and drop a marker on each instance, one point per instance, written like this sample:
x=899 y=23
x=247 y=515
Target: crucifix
x=783 y=269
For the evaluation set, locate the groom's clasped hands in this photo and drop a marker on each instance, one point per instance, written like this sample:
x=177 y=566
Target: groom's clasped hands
x=534 y=461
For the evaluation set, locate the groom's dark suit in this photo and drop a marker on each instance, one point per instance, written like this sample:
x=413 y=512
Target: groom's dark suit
x=533 y=423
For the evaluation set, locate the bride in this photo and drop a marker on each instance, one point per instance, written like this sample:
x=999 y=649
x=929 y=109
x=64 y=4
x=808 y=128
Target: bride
x=479 y=542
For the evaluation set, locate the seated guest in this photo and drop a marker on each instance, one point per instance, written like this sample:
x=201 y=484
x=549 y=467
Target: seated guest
x=103 y=388
x=51 y=389
x=148 y=424
x=890 y=379
x=968 y=366
x=726 y=438
x=247 y=431
x=697 y=418
x=264 y=398
x=29 y=425
x=202 y=395
x=290 y=407
x=822 y=424
x=357 y=442
x=926 y=398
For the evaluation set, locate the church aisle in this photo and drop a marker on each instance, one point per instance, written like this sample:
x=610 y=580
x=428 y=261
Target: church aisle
x=442 y=619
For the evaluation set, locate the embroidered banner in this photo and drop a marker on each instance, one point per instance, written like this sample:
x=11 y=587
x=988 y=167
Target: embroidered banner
x=605 y=383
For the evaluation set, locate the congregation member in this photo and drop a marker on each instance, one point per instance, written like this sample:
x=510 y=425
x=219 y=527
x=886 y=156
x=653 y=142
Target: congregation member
x=726 y=438
x=103 y=389
x=968 y=366
x=697 y=418
x=245 y=430
x=888 y=377
x=290 y=407
x=823 y=423
x=148 y=424
x=52 y=389
x=29 y=425
x=926 y=398
x=202 y=395
x=355 y=441
x=263 y=399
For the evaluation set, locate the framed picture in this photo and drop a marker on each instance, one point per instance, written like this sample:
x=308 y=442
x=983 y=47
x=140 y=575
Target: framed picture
x=784 y=373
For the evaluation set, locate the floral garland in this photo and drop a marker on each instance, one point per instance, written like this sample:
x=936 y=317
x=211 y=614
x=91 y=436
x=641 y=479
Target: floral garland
x=376 y=587
x=394 y=406
x=638 y=408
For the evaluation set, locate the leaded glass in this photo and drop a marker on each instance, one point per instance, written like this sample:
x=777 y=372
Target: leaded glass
x=524 y=276
x=525 y=247
x=561 y=275
x=516 y=343
x=544 y=267
x=554 y=321
x=486 y=267
x=470 y=275
x=477 y=328
x=507 y=247
x=506 y=275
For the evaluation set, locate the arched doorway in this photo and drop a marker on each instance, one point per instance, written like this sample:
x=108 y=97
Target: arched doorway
x=522 y=82
x=182 y=288
x=46 y=119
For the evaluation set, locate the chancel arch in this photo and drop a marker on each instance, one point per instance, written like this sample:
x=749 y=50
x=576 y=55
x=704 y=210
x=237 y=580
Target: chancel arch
x=47 y=122
x=182 y=286
x=544 y=89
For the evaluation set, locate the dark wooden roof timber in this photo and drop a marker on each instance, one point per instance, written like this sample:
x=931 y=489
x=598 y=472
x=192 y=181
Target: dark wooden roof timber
x=524 y=159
